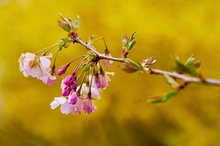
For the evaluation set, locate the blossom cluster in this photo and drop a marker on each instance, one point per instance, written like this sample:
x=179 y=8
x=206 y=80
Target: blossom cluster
x=83 y=85
x=78 y=90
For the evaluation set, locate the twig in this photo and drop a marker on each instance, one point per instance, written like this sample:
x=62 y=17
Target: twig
x=186 y=79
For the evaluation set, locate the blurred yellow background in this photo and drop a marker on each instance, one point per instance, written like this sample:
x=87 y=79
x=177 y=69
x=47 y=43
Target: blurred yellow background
x=123 y=117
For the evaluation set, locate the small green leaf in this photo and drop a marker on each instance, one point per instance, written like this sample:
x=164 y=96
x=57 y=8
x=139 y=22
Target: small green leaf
x=76 y=23
x=133 y=35
x=189 y=67
x=170 y=80
x=131 y=44
x=125 y=40
x=180 y=67
x=163 y=98
x=61 y=16
x=129 y=68
x=190 y=61
x=91 y=40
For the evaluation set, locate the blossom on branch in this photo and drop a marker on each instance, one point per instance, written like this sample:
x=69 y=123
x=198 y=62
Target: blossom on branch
x=37 y=66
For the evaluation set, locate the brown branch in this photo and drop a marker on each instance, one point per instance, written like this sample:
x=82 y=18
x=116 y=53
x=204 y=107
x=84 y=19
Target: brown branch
x=186 y=79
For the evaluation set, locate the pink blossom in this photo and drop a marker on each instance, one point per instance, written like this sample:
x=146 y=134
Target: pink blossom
x=37 y=66
x=78 y=107
x=88 y=105
x=48 y=79
x=94 y=91
x=65 y=108
x=101 y=80
x=105 y=63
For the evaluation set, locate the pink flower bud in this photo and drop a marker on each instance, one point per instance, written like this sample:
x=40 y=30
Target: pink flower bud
x=73 y=98
x=62 y=69
x=73 y=86
x=68 y=80
x=66 y=91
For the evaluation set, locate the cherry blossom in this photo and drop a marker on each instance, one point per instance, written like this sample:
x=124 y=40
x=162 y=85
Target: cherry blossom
x=65 y=108
x=89 y=105
x=105 y=62
x=94 y=91
x=37 y=66
x=101 y=80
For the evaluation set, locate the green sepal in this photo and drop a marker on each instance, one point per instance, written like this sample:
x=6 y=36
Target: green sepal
x=86 y=66
x=163 y=98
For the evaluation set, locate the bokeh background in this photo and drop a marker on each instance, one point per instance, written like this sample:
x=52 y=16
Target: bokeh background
x=124 y=117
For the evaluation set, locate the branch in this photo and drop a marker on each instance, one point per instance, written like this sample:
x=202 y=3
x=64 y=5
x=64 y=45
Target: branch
x=89 y=47
x=186 y=79
x=83 y=85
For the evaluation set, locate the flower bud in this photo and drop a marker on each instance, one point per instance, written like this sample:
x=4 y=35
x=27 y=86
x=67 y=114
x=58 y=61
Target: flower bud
x=66 y=91
x=68 y=80
x=73 y=98
x=64 y=25
x=63 y=69
x=73 y=86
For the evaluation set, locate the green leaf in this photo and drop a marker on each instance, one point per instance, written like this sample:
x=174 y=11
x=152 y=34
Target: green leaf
x=189 y=67
x=190 y=61
x=131 y=44
x=61 y=16
x=163 y=98
x=129 y=68
x=125 y=40
x=76 y=23
x=91 y=40
x=170 y=80
x=180 y=67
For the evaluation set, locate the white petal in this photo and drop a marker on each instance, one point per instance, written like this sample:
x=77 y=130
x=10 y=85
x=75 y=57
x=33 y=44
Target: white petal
x=45 y=62
x=57 y=101
x=95 y=92
x=65 y=108
x=54 y=104
x=29 y=55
